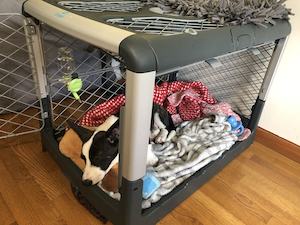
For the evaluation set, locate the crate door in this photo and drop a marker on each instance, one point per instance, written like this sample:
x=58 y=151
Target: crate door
x=20 y=105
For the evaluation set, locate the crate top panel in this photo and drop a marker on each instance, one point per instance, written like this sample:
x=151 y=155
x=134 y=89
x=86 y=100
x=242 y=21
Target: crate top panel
x=147 y=39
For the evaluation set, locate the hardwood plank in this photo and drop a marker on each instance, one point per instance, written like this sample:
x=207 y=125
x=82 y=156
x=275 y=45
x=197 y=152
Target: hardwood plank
x=170 y=219
x=272 y=173
x=278 y=144
x=276 y=158
x=31 y=153
x=40 y=165
x=6 y=217
x=280 y=196
x=239 y=205
x=184 y=214
x=271 y=155
x=275 y=221
x=29 y=187
x=22 y=139
x=277 y=176
x=47 y=213
x=190 y=212
x=276 y=192
x=19 y=206
x=255 y=196
x=233 y=175
x=14 y=165
x=212 y=211
x=288 y=167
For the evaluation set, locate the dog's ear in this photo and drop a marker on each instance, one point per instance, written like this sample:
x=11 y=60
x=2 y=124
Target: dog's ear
x=113 y=133
x=113 y=136
x=83 y=133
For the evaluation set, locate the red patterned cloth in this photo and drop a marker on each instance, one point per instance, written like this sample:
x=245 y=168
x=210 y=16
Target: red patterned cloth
x=97 y=115
x=183 y=98
x=188 y=107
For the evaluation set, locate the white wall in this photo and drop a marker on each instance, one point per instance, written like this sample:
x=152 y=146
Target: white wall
x=281 y=114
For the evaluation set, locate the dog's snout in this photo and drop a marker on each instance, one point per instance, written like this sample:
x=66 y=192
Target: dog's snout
x=87 y=182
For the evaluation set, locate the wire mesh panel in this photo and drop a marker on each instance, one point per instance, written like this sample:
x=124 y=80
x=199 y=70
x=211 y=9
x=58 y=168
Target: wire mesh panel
x=237 y=81
x=163 y=25
x=20 y=108
x=102 y=74
x=124 y=6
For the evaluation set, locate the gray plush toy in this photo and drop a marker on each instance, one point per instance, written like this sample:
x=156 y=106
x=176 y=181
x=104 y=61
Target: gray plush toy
x=227 y=12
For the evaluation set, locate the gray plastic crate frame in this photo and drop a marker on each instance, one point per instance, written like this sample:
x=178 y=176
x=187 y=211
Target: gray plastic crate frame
x=147 y=56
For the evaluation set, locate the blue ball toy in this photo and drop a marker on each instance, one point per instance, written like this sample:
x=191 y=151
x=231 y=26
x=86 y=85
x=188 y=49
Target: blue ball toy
x=235 y=125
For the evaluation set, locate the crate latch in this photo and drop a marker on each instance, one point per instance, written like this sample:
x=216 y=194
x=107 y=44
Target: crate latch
x=255 y=51
x=30 y=29
x=45 y=115
x=213 y=62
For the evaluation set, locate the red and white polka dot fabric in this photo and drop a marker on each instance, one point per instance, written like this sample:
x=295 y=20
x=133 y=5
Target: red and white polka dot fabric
x=179 y=97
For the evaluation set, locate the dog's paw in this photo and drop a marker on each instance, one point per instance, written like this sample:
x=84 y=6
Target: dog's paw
x=162 y=136
x=171 y=135
x=115 y=195
x=152 y=159
x=154 y=134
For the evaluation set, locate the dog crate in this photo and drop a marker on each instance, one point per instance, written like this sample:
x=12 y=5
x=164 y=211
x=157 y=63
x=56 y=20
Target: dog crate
x=125 y=47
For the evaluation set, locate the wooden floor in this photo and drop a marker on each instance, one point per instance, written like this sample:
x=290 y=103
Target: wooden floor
x=258 y=187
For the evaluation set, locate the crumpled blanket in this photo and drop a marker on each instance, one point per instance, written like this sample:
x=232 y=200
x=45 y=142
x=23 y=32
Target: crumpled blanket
x=225 y=108
x=198 y=143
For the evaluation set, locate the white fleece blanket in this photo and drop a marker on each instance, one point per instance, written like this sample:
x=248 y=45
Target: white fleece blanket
x=197 y=143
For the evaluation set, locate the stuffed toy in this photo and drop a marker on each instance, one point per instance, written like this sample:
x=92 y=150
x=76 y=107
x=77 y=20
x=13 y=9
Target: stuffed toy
x=70 y=146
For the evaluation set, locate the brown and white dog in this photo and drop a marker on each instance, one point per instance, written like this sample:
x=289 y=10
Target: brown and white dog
x=100 y=147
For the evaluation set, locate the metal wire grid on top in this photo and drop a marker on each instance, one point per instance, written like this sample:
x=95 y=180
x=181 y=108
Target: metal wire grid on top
x=151 y=25
x=237 y=81
x=20 y=106
x=163 y=25
x=121 y=6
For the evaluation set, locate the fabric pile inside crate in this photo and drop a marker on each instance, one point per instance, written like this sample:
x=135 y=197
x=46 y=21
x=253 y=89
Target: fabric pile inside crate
x=185 y=101
x=227 y=12
x=198 y=142
x=202 y=132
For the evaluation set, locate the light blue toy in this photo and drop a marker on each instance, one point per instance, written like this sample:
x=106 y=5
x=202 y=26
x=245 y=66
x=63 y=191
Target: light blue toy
x=150 y=184
x=235 y=125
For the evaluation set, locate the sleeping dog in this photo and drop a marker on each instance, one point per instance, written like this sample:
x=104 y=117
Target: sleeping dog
x=100 y=147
